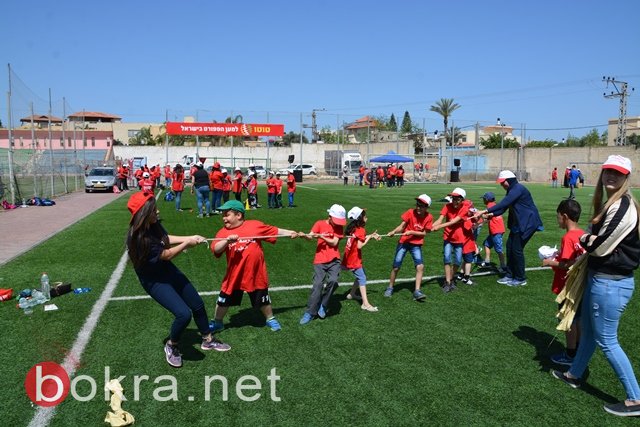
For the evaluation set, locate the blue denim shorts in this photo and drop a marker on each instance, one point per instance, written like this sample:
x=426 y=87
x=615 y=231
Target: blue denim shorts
x=494 y=241
x=361 y=277
x=456 y=249
x=401 y=251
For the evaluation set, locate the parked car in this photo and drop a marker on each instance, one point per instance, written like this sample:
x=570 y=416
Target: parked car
x=100 y=179
x=261 y=172
x=306 y=169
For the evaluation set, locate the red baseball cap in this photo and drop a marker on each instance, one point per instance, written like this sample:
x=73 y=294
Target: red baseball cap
x=137 y=201
x=619 y=163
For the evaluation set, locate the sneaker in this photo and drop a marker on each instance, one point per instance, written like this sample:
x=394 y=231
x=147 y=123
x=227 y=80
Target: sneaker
x=458 y=277
x=200 y=216
x=562 y=359
x=369 y=308
x=173 y=356
x=515 y=282
x=353 y=297
x=388 y=292
x=502 y=270
x=572 y=382
x=273 y=324
x=306 y=318
x=214 y=344
x=322 y=313
x=468 y=282
x=452 y=287
x=418 y=295
x=216 y=326
x=505 y=280
x=622 y=410
x=446 y=288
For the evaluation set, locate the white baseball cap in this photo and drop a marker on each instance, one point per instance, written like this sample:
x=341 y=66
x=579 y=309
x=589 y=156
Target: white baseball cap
x=423 y=198
x=505 y=175
x=146 y=175
x=338 y=214
x=237 y=169
x=619 y=163
x=199 y=164
x=251 y=165
x=355 y=212
x=224 y=171
x=458 y=192
x=251 y=173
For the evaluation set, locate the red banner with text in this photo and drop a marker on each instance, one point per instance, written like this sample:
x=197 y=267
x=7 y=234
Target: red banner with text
x=225 y=129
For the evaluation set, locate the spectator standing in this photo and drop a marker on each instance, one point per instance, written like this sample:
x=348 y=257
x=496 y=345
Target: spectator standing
x=200 y=185
x=177 y=184
x=574 y=176
x=554 y=178
x=236 y=186
x=613 y=248
x=226 y=185
x=291 y=188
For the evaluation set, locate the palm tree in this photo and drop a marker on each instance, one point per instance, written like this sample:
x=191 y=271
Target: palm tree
x=445 y=107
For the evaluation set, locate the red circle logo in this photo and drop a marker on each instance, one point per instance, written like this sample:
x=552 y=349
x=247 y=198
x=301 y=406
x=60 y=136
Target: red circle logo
x=47 y=384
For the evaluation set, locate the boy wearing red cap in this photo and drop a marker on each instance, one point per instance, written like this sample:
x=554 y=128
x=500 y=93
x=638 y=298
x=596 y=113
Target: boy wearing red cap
x=415 y=225
x=241 y=241
x=151 y=250
x=326 y=263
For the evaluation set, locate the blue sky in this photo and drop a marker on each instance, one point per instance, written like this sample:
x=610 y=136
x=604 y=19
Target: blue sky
x=536 y=64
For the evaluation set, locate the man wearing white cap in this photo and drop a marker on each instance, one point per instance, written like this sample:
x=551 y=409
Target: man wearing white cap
x=523 y=221
x=326 y=263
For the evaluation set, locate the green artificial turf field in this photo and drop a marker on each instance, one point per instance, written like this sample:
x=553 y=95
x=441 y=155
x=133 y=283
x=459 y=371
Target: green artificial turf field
x=477 y=356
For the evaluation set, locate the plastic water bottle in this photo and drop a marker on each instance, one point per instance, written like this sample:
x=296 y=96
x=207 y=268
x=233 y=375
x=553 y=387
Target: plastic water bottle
x=45 y=287
x=81 y=290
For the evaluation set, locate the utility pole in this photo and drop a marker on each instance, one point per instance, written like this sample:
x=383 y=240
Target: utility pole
x=622 y=117
x=315 y=137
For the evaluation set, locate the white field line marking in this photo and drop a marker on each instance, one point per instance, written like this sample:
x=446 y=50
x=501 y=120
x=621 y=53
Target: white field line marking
x=304 y=186
x=299 y=287
x=44 y=415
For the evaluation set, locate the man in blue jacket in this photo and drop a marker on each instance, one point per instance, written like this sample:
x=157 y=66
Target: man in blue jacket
x=523 y=221
x=574 y=176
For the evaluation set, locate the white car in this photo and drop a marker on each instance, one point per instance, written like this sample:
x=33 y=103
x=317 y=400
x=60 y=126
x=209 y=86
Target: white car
x=306 y=169
x=261 y=172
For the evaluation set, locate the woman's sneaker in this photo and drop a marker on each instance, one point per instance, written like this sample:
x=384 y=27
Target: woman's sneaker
x=562 y=359
x=388 y=292
x=418 y=295
x=572 y=382
x=505 y=280
x=173 y=356
x=214 y=344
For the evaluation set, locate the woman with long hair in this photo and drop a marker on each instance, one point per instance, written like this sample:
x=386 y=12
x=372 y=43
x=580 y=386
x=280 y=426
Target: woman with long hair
x=613 y=250
x=151 y=250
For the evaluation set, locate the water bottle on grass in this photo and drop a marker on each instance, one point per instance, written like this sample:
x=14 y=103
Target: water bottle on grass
x=45 y=287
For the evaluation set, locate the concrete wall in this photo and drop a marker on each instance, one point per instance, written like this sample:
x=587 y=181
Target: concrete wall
x=535 y=164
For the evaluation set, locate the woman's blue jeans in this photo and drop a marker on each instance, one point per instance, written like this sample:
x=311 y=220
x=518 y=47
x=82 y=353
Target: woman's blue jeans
x=202 y=194
x=603 y=302
x=178 y=199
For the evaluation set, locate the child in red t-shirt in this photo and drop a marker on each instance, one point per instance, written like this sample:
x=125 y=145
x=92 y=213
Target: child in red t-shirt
x=568 y=215
x=454 y=213
x=496 y=231
x=326 y=263
x=291 y=188
x=415 y=225
x=352 y=259
x=278 y=183
x=241 y=240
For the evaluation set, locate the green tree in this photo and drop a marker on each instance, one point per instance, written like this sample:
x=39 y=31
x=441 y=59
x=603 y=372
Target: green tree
x=633 y=139
x=293 y=138
x=445 y=107
x=406 y=126
x=143 y=137
x=545 y=143
x=327 y=136
x=591 y=139
x=495 y=141
x=392 y=125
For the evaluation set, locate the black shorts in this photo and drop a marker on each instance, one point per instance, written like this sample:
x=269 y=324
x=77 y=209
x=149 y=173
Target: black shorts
x=258 y=298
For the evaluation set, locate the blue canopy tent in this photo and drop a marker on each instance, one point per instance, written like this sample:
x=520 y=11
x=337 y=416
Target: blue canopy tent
x=391 y=157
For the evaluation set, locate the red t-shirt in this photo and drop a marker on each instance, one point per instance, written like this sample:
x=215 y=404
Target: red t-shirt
x=167 y=171
x=570 y=249
x=147 y=185
x=496 y=223
x=324 y=252
x=246 y=268
x=278 y=183
x=400 y=173
x=469 y=245
x=226 y=183
x=271 y=186
x=177 y=181
x=453 y=233
x=291 y=183
x=554 y=174
x=237 y=182
x=415 y=223
x=352 y=255
x=216 y=180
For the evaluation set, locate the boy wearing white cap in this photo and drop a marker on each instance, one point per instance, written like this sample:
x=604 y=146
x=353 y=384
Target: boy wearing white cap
x=326 y=263
x=454 y=213
x=415 y=225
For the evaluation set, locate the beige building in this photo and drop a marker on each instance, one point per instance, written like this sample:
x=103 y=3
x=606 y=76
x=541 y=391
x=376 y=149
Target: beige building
x=633 y=126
